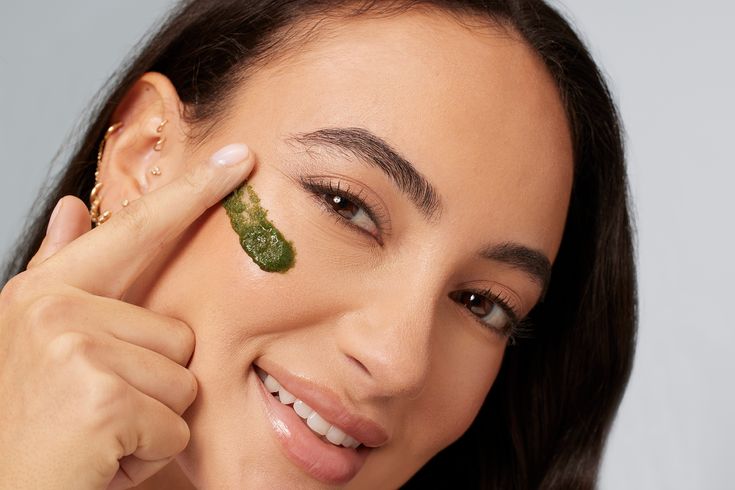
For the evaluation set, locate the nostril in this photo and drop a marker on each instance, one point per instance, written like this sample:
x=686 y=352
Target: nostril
x=358 y=364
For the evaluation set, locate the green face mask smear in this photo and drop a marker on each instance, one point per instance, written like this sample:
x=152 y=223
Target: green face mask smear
x=258 y=237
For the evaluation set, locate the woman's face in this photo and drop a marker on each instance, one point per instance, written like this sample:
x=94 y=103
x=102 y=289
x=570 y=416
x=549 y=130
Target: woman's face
x=375 y=326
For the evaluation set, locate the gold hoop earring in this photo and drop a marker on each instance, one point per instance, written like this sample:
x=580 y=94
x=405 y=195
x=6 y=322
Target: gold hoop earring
x=96 y=216
x=161 y=139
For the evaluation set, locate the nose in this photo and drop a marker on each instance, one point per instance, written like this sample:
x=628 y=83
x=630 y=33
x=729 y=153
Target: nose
x=388 y=342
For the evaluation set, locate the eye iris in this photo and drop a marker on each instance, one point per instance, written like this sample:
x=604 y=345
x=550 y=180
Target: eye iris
x=477 y=304
x=345 y=207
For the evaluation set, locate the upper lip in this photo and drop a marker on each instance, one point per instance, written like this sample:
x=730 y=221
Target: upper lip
x=328 y=405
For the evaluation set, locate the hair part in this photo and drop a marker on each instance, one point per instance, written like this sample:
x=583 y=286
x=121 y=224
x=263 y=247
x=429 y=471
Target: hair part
x=546 y=419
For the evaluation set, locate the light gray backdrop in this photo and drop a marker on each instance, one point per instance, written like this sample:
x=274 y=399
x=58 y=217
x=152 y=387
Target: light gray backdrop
x=671 y=67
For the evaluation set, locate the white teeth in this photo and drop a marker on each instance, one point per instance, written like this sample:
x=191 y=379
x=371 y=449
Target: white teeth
x=302 y=409
x=271 y=384
x=335 y=436
x=313 y=420
x=349 y=442
x=285 y=397
x=317 y=424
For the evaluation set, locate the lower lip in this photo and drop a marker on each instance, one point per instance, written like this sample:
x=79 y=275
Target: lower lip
x=321 y=460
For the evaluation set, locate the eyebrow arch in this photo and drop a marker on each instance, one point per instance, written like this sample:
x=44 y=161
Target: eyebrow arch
x=370 y=148
x=532 y=262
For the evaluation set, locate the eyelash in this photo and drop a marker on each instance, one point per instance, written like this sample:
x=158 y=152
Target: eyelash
x=514 y=327
x=327 y=187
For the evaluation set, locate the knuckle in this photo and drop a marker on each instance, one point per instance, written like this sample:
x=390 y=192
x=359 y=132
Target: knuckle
x=68 y=346
x=197 y=182
x=47 y=309
x=108 y=395
x=197 y=179
x=15 y=289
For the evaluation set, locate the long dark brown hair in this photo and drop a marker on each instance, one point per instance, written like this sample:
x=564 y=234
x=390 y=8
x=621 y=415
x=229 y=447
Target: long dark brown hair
x=546 y=419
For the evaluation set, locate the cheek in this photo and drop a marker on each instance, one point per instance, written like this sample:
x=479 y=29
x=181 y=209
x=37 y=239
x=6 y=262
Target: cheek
x=460 y=395
x=443 y=411
x=454 y=396
x=233 y=306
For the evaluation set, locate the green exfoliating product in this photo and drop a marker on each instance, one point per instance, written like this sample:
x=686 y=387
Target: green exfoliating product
x=259 y=238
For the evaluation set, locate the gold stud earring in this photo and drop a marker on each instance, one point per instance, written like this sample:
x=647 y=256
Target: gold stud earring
x=155 y=171
x=96 y=216
x=161 y=139
x=125 y=202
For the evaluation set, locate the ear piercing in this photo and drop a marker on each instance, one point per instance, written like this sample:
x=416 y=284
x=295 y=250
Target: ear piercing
x=161 y=139
x=96 y=216
x=95 y=213
x=158 y=145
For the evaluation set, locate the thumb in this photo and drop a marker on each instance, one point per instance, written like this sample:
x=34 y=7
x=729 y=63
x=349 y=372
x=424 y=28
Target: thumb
x=69 y=220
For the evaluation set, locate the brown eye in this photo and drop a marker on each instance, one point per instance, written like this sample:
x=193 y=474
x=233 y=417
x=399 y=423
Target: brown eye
x=351 y=212
x=350 y=209
x=489 y=311
x=477 y=304
x=343 y=206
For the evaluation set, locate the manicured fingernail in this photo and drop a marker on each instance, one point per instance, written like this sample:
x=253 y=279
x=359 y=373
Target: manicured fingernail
x=230 y=155
x=54 y=214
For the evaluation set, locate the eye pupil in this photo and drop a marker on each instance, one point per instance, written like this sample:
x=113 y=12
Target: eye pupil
x=343 y=206
x=477 y=304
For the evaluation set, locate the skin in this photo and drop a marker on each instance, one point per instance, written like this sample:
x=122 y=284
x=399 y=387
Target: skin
x=481 y=119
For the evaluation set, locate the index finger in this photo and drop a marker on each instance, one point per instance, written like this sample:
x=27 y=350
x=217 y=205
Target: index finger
x=116 y=253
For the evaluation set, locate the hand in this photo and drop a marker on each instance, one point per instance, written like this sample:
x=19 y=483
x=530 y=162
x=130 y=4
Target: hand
x=93 y=388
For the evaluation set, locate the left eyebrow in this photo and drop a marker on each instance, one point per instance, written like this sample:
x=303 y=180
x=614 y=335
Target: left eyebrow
x=368 y=147
x=528 y=260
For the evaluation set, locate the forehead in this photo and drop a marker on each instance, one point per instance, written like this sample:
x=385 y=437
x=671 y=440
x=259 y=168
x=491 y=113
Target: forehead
x=474 y=109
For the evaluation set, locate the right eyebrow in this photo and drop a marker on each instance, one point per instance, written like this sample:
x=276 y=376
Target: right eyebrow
x=368 y=147
x=532 y=262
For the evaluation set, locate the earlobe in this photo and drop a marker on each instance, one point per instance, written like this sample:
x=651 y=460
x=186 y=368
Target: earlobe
x=148 y=140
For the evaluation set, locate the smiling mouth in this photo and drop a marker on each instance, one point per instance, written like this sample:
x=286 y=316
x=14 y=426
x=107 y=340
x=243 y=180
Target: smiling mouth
x=323 y=429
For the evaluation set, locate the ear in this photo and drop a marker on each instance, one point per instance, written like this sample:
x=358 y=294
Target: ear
x=144 y=153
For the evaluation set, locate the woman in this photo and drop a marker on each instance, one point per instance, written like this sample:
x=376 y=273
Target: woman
x=445 y=188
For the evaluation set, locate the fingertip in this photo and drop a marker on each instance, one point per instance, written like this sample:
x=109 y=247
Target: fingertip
x=69 y=219
x=233 y=164
x=78 y=209
x=232 y=155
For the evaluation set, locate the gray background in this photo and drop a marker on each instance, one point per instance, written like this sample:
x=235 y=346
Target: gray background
x=671 y=68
